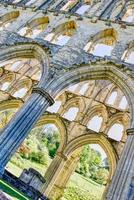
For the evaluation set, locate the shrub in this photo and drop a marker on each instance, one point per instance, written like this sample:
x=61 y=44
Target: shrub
x=39 y=157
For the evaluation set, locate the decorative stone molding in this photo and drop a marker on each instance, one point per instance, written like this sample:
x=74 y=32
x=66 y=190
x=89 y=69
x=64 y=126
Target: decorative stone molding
x=130 y=131
x=60 y=154
x=43 y=93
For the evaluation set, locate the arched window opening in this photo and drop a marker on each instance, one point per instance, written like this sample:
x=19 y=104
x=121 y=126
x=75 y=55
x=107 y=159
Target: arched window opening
x=69 y=5
x=129 y=15
x=37 y=151
x=62 y=34
x=95 y=123
x=128 y=57
x=116 y=132
x=104 y=45
x=84 y=88
x=123 y=103
x=22 y=70
x=86 y=172
x=111 y=100
x=71 y=113
x=20 y=93
x=55 y=107
x=84 y=8
x=5 y=86
x=8 y=19
x=102 y=50
x=61 y=40
x=35 y=27
x=25 y=67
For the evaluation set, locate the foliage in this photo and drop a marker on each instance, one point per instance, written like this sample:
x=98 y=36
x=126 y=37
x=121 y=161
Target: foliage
x=90 y=165
x=101 y=176
x=42 y=144
x=51 y=138
x=39 y=157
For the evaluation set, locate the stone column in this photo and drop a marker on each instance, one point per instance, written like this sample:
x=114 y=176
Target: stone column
x=57 y=191
x=52 y=172
x=18 y=128
x=119 y=188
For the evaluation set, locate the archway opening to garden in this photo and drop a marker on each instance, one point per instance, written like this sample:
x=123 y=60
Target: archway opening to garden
x=37 y=151
x=103 y=109
x=90 y=172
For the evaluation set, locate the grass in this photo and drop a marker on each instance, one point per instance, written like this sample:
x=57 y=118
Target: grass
x=17 y=170
x=79 y=187
x=13 y=193
x=87 y=185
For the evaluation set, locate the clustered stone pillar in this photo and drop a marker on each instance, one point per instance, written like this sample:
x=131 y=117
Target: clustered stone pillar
x=59 y=187
x=58 y=175
x=120 y=186
x=53 y=172
x=18 y=128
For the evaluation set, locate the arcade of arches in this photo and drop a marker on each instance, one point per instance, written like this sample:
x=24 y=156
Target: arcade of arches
x=68 y=66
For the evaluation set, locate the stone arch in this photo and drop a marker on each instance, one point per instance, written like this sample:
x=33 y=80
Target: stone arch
x=97 y=110
x=120 y=118
x=45 y=119
x=101 y=70
x=65 y=29
x=102 y=95
x=10 y=104
x=27 y=83
x=129 y=49
x=94 y=139
x=129 y=6
x=36 y=24
x=75 y=102
x=27 y=50
x=106 y=37
x=9 y=17
x=116 y=10
x=55 y=119
x=10 y=77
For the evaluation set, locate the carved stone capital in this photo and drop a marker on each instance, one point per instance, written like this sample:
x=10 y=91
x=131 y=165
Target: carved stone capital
x=60 y=154
x=44 y=93
x=130 y=131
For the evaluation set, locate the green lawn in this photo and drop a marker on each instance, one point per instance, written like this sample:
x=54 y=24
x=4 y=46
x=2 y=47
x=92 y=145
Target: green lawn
x=86 y=184
x=14 y=169
x=79 y=187
x=13 y=193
